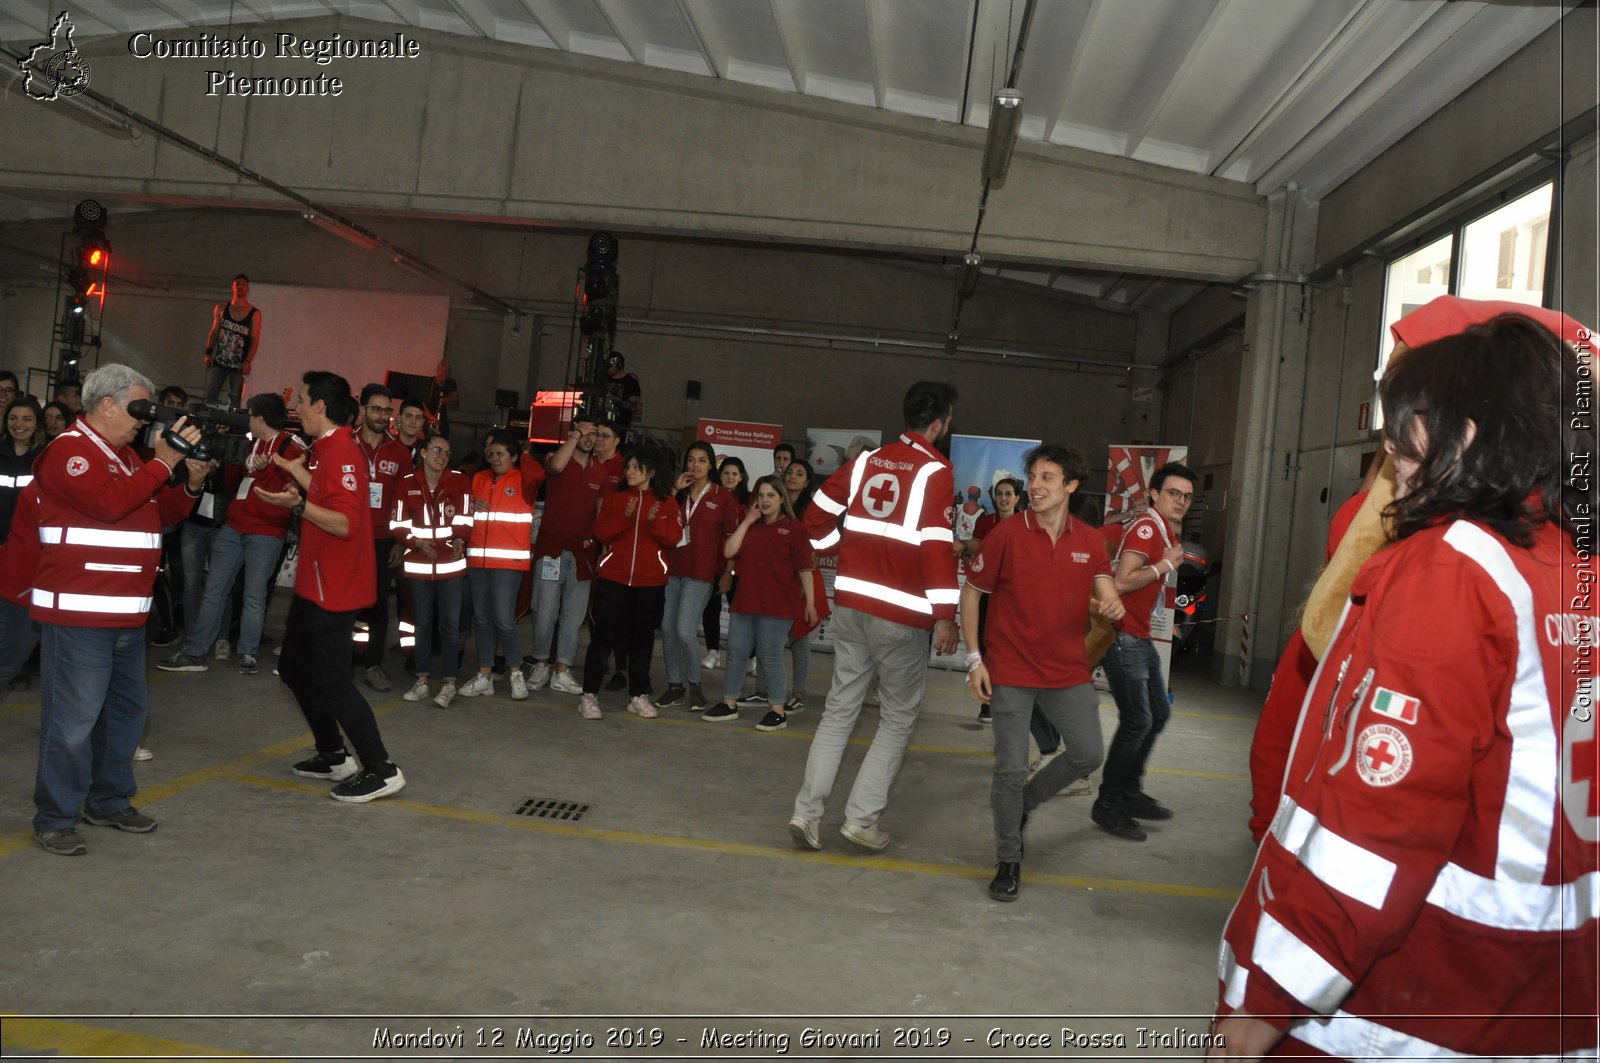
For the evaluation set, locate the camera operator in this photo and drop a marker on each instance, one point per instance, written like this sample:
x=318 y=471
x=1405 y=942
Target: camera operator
x=101 y=510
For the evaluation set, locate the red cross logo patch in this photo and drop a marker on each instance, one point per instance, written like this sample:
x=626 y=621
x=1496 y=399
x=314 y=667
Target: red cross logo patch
x=881 y=494
x=1383 y=755
x=77 y=465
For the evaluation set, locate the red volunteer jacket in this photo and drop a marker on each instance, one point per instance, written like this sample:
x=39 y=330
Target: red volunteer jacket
x=708 y=524
x=894 y=542
x=386 y=466
x=636 y=528
x=249 y=515
x=337 y=572
x=101 y=511
x=1429 y=878
x=442 y=517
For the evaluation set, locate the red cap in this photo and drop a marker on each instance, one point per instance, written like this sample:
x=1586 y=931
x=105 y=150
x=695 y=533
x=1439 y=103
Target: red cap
x=1450 y=314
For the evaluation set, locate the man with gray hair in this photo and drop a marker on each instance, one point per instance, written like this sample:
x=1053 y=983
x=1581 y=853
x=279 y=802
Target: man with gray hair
x=101 y=510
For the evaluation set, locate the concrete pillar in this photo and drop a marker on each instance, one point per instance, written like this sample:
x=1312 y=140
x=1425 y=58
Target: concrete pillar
x=1271 y=403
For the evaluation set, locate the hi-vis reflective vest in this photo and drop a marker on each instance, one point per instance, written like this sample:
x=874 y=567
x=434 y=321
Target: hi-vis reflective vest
x=101 y=511
x=437 y=517
x=894 y=541
x=502 y=533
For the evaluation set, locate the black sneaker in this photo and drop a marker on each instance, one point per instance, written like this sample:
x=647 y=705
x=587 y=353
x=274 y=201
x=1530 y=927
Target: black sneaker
x=984 y=715
x=335 y=766
x=757 y=698
x=794 y=705
x=1007 y=881
x=697 y=698
x=720 y=712
x=129 y=819
x=182 y=662
x=672 y=697
x=1141 y=805
x=369 y=786
x=1117 y=823
x=247 y=664
x=618 y=681
x=772 y=721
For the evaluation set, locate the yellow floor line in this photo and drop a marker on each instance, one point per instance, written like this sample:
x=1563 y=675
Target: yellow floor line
x=706 y=845
x=81 y=1040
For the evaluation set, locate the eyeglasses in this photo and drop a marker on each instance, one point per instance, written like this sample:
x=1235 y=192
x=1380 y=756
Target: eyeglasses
x=380 y=409
x=1179 y=496
x=8 y=388
x=439 y=450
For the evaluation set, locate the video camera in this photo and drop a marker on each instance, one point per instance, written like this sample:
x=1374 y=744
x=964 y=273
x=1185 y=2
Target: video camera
x=215 y=422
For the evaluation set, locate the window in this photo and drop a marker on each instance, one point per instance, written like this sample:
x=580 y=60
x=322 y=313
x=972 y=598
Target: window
x=1501 y=256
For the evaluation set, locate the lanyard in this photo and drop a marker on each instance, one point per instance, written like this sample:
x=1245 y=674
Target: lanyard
x=692 y=503
x=94 y=437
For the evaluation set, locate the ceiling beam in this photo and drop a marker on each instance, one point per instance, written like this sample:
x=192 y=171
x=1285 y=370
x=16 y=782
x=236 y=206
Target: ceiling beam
x=695 y=14
x=476 y=14
x=624 y=27
x=785 y=13
x=1253 y=122
x=1140 y=127
x=878 y=36
x=550 y=22
x=1057 y=107
x=105 y=12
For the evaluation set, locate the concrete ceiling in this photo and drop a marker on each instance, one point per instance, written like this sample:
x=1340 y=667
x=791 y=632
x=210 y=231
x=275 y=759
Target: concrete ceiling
x=1270 y=92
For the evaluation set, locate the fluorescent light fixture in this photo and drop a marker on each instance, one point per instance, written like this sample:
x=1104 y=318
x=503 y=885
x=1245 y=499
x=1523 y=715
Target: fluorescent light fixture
x=347 y=233
x=1005 y=119
x=969 y=273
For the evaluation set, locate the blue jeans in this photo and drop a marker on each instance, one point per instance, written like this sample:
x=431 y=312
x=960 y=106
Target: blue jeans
x=91 y=714
x=194 y=544
x=448 y=594
x=559 y=606
x=765 y=634
x=258 y=555
x=680 y=624
x=494 y=612
x=1134 y=672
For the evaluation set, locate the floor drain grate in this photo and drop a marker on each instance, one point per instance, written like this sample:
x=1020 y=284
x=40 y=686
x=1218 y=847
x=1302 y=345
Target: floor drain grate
x=548 y=808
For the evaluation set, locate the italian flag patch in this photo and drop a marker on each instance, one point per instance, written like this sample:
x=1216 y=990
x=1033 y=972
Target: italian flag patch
x=1395 y=705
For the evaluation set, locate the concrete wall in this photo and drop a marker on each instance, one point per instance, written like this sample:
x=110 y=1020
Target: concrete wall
x=490 y=130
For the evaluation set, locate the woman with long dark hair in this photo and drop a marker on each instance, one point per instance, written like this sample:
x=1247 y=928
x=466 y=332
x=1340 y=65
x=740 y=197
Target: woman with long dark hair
x=731 y=474
x=57 y=418
x=1428 y=879
x=636 y=525
x=709 y=515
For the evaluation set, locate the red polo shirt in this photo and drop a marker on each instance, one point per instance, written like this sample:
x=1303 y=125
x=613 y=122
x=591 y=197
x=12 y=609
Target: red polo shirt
x=386 y=466
x=771 y=559
x=1149 y=536
x=1039 y=612
x=571 y=499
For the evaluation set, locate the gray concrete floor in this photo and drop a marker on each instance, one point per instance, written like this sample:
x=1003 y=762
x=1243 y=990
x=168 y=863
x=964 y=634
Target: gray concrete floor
x=678 y=894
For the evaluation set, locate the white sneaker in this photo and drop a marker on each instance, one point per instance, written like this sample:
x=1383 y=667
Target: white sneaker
x=224 y=650
x=141 y=753
x=752 y=669
x=519 y=685
x=540 y=678
x=1077 y=789
x=447 y=694
x=564 y=682
x=478 y=684
x=709 y=660
x=643 y=707
x=590 y=707
x=417 y=692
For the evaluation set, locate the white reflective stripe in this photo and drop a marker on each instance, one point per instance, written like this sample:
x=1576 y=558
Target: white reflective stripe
x=869 y=526
x=425 y=532
x=407 y=641
x=93 y=566
x=827 y=504
x=464 y=519
x=510 y=555
x=1335 y=860
x=827 y=542
x=858 y=473
x=406 y=626
x=1353 y=1037
x=443 y=568
x=399 y=525
x=1527 y=820
x=944 y=596
x=883 y=594
x=1297 y=967
x=919 y=490
x=1233 y=976
x=509 y=518
x=938 y=535
x=16 y=481
x=118 y=540
x=91 y=603
x=1516 y=905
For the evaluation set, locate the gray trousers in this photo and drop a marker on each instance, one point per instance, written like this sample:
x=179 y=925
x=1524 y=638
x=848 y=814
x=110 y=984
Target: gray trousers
x=1075 y=712
x=864 y=646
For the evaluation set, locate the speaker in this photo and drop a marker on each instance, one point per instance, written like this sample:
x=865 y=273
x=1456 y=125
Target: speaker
x=693 y=390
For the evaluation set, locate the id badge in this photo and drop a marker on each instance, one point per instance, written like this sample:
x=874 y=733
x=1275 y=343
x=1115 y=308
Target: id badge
x=375 y=495
x=685 y=540
x=550 y=568
x=207 y=507
x=244 y=488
